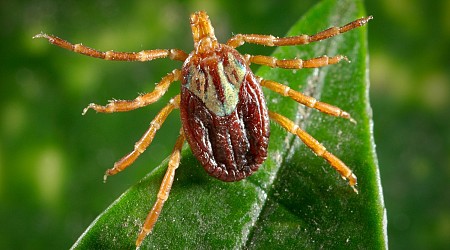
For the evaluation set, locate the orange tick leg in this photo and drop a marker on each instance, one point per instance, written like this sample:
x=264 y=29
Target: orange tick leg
x=294 y=63
x=305 y=100
x=164 y=190
x=316 y=147
x=144 y=55
x=140 y=101
x=269 y=40
x=146 y=139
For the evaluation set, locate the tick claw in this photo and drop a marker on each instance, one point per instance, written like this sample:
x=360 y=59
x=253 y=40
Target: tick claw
x=347 y=116
x=87 y=108
x=353 y=181
x=40 y=35
x=344 y=58
x=105 y=177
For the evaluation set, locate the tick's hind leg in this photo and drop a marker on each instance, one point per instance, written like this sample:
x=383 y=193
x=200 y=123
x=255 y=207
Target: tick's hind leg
x=317 y=148
x=164 y=190
x=140 y=101
x=146 y=139
x=144 y=55
x=304 y=99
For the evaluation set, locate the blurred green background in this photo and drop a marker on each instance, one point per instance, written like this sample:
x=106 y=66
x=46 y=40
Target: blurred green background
x=52 y=159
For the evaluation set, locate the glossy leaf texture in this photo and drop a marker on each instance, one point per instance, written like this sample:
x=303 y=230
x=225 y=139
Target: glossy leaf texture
x=296 y=200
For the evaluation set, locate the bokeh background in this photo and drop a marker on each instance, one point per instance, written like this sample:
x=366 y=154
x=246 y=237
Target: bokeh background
x=52 y=159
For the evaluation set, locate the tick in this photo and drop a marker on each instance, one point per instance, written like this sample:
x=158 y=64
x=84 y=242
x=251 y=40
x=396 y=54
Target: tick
x=224 y=116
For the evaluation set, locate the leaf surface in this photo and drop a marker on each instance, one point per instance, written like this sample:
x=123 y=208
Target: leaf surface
x=295 y=200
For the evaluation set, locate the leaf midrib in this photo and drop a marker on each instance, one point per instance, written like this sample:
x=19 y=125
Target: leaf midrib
x=303 y=123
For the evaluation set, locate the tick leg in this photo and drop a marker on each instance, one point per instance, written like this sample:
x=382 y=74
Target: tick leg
x=316 y=147
x=144 y=55
x=146 y=139
x=294 y=63
x=269 y=40
x=164 y=190
x=140 y=101
x=305 y=100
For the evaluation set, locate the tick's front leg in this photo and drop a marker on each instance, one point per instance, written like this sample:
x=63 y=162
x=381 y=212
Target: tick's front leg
x=144 y=55
x=269 y=40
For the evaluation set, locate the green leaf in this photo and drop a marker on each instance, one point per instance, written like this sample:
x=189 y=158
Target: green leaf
x=295 y=200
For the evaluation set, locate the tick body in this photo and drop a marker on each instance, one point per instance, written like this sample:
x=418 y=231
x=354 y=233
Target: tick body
x=224 y=116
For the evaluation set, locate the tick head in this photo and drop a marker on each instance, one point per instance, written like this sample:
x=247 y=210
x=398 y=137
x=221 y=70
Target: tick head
x=203 y=33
